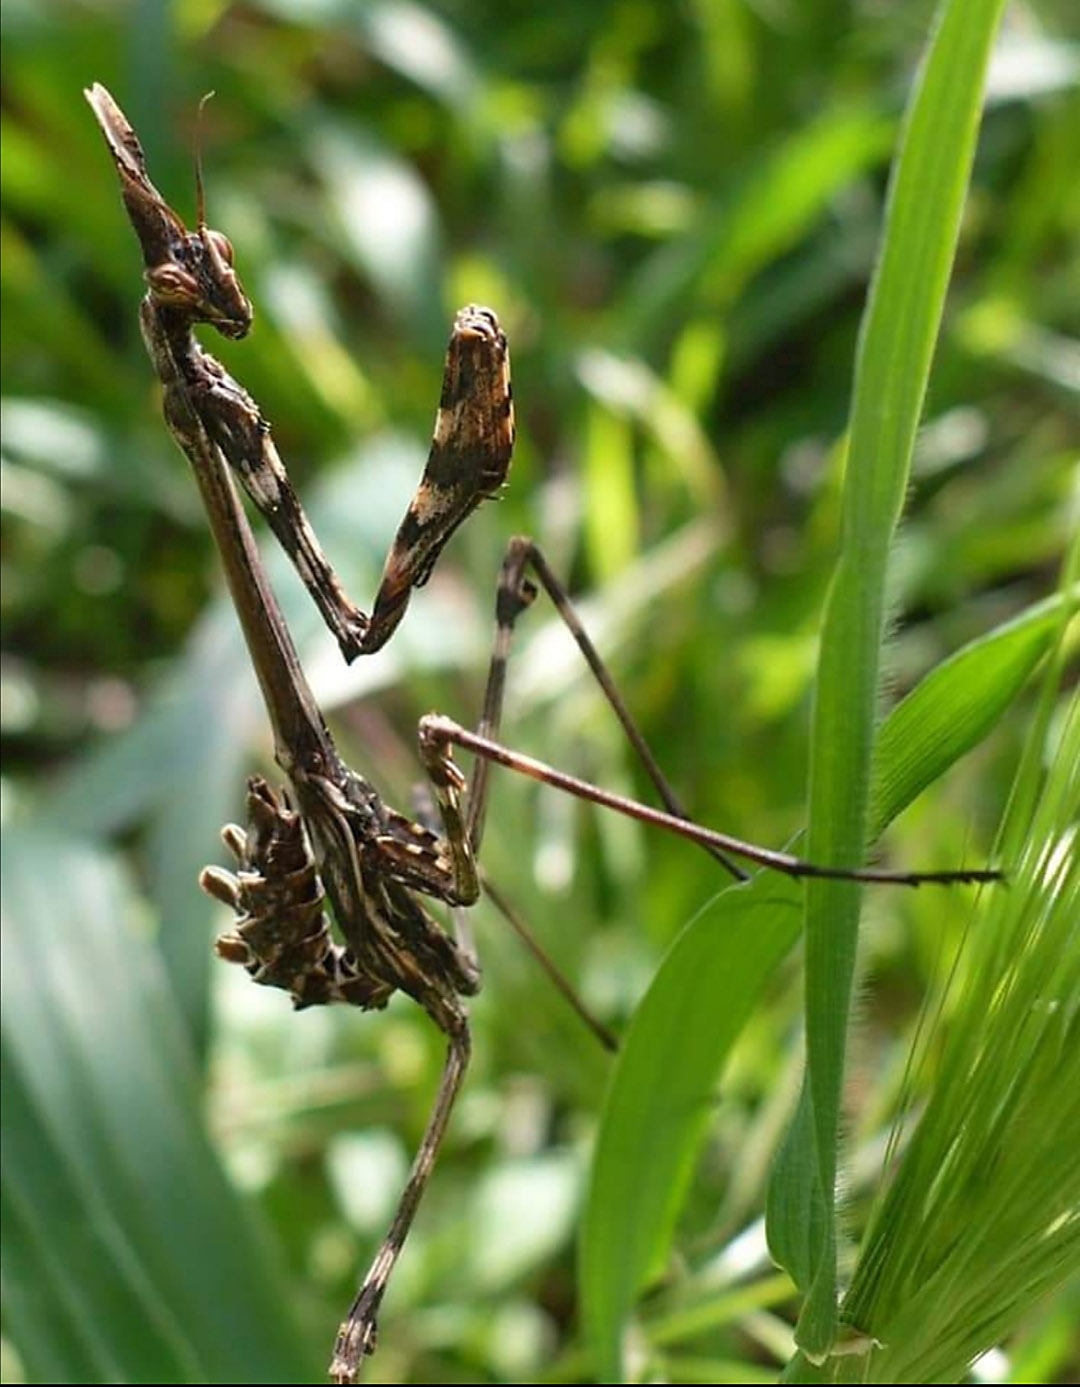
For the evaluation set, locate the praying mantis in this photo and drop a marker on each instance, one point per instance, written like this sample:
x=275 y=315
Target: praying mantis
x=328 y=846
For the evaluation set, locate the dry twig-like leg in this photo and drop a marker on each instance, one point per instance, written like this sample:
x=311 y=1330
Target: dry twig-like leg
x=439 y=734
x=514 y=594
x=358 y=1334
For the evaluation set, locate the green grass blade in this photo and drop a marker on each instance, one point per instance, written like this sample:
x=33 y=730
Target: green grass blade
x=796 y=1214
x=948 y=713
x=980 y=1216
x=896 y=344
x=663 y=1092
x=957 y=705
x=96 y=1316
x=120 y=1215
x=952 y=709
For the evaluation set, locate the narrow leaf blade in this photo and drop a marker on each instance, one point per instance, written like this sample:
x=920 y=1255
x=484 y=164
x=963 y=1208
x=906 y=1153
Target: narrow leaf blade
x=899 y=332
x=663 y=1093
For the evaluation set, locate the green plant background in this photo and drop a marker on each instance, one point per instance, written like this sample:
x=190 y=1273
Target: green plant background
x=675 y=211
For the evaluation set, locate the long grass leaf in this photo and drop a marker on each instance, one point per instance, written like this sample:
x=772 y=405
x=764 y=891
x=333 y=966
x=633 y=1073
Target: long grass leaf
x=896 y=345
x=154 y=1269
x=663 y=1093
x=979 y=1218
x=957 y=704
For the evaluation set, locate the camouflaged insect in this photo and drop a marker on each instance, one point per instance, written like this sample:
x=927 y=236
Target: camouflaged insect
x=468 y=462
x=282 y=933
x=332 y=840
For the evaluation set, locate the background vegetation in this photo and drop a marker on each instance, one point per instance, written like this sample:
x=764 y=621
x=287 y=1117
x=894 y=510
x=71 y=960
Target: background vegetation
x=675 y=210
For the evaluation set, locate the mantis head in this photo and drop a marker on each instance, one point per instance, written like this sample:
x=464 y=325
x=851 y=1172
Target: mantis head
x=188 y=270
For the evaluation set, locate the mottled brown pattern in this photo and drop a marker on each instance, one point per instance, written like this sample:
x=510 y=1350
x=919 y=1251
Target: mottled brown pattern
x=282 y=931
x=468 y=463
x=191 y=277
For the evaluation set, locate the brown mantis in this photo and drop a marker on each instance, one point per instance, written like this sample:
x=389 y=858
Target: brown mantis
x=330 y=837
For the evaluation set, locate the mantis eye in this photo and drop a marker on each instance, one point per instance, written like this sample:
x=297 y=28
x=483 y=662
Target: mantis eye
x=222 y=245
x=171 y=283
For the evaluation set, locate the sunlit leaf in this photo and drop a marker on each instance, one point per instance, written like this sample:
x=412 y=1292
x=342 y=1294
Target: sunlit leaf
x=663 y=1095
x=899 y=331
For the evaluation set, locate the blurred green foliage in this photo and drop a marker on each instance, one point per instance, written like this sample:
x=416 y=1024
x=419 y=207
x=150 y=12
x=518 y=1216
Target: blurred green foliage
x=674 y=209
